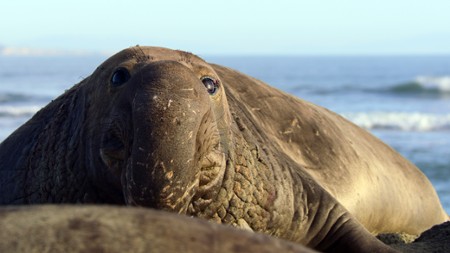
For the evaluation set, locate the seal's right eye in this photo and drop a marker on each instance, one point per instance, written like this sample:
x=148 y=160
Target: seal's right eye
x=119 y=77
x=212 y=86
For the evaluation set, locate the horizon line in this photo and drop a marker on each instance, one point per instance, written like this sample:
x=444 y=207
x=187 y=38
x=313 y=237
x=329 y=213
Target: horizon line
x=42 y=52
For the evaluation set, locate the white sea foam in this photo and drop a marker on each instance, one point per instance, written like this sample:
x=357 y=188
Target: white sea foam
x=434 y=83
x=18 y=111
x=400 y=121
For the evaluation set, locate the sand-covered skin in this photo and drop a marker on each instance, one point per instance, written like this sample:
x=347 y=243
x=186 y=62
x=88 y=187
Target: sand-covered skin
x=83 y=228
x=436 y=239
x=112 y=229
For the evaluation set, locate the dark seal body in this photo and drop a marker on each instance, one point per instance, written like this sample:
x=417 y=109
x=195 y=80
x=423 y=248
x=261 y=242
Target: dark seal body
x=164 y=129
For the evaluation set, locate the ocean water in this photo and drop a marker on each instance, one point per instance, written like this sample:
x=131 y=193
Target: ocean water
x=404 y=100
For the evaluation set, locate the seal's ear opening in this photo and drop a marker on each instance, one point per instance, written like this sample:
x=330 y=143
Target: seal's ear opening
x=120 y=76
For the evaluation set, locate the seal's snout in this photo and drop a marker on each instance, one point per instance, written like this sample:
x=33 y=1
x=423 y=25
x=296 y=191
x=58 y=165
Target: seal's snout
x=168 y=79
x=167 y=110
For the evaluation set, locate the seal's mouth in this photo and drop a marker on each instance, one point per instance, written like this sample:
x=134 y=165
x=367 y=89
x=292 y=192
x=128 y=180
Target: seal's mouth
x=213 y=166
x=113 y=152
x=208 y=169
x=113 y=156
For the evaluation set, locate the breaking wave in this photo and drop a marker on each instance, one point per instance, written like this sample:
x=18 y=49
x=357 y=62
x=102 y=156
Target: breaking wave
x=425 y=84
x=13 y=97
x=18 y=111
x=400 y=121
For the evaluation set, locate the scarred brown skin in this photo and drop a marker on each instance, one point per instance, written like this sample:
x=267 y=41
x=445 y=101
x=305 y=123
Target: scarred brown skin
x=383 y=190
x=246 y=154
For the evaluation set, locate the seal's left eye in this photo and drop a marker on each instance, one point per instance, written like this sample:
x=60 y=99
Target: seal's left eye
x=212 y=86
x=119 y=77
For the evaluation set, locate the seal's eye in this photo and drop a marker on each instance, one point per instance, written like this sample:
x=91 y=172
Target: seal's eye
x=212 y=86
x=120 y=76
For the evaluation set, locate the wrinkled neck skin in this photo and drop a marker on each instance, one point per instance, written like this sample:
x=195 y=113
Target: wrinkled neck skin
x=248 y=191
x=265 y=194
x=252 y=193
x=56 y=156
x=30 y=176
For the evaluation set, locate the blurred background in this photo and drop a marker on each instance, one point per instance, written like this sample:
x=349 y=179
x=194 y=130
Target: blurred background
x=384 y=65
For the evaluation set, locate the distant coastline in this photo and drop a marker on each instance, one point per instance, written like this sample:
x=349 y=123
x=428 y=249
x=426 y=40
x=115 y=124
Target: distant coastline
x=25 y=51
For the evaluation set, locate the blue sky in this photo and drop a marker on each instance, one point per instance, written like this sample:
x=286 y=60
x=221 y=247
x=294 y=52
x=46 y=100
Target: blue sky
x=287 y=27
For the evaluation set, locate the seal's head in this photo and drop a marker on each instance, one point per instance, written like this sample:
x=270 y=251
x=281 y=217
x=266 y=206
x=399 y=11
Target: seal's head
x=165 y=124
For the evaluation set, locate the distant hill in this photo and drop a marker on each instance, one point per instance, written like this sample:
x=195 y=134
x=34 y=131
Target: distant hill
x=23 y=51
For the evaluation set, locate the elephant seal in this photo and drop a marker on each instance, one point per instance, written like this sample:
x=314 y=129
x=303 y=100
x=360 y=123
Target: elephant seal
x=164 y=129
x=86 y=228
